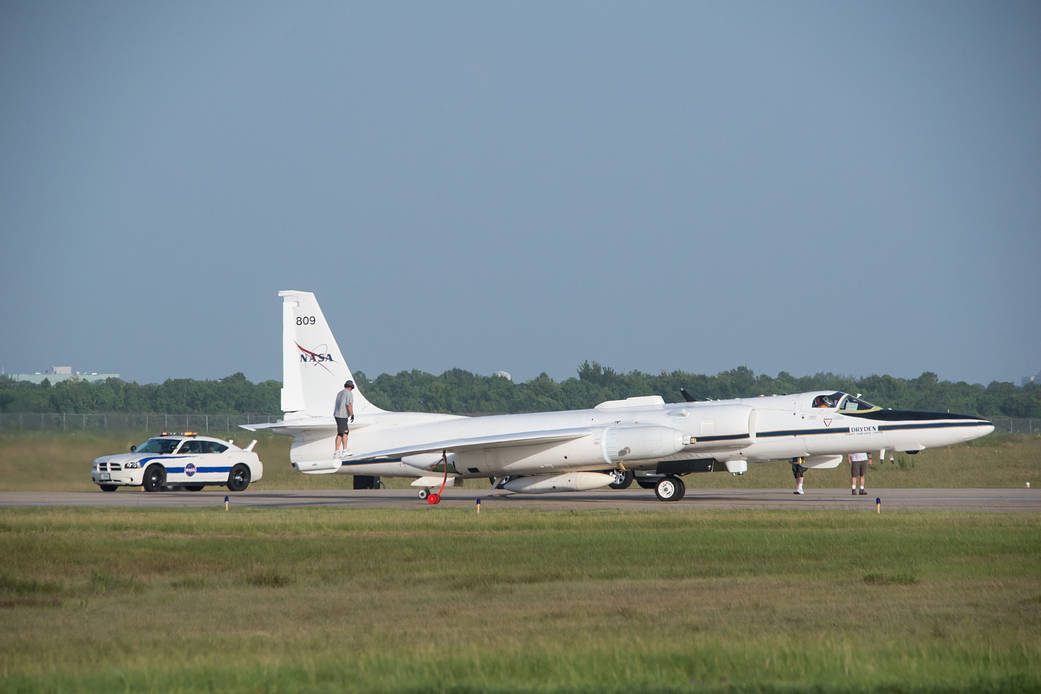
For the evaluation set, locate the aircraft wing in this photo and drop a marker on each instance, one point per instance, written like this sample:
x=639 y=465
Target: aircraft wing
x=491 y=441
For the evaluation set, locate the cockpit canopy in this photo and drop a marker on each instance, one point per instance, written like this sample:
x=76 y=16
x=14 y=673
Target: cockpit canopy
x=843 y=402
x=827 y=400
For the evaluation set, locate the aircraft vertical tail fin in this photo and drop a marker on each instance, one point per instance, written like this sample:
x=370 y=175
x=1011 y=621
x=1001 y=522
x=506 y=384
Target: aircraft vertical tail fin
x=313 y=369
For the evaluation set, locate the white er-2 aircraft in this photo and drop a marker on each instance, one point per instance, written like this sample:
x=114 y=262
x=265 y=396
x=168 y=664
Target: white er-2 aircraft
x=576 y=450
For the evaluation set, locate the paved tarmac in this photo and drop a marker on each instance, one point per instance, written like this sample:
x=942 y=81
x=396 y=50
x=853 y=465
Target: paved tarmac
x=976 y=499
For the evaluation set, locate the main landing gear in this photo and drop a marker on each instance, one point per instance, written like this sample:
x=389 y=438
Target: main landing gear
x=622 y=479
x=670 y=488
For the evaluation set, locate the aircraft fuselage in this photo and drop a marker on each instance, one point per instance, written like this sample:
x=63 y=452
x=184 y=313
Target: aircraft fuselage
x=638 y=432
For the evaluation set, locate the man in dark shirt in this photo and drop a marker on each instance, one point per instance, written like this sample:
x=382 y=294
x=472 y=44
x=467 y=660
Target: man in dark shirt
x=343 y=413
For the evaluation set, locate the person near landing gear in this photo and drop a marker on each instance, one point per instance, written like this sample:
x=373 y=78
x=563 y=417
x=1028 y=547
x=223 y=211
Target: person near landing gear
x=858 y=463
x=798 y=471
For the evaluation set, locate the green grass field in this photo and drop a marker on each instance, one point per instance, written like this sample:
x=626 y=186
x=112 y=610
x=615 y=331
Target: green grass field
x=43 y=461
x=440 y=599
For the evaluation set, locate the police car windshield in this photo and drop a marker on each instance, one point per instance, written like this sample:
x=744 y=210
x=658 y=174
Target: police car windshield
x=158 y=445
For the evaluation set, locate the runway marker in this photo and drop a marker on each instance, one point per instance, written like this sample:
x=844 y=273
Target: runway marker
x=225 y=502
x=878 y=504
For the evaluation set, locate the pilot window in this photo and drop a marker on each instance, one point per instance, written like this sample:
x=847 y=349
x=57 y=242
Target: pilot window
x=827 y=400
x=855 y=404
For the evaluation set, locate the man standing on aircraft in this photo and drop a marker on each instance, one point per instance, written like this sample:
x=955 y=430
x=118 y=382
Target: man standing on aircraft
x=858 y=463
x=343 y=413
x=798 y=471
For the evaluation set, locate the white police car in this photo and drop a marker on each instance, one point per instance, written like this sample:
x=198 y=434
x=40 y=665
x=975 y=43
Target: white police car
x=186 y=461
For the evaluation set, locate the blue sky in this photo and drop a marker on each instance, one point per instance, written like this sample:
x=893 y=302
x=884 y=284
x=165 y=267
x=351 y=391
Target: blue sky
x=805 y=186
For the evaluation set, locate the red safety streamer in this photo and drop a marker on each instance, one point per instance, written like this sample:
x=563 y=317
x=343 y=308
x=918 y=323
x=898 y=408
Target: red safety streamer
x=436 y=498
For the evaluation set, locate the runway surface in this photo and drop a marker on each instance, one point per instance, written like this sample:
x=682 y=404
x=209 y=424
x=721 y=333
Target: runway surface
x=976 y=499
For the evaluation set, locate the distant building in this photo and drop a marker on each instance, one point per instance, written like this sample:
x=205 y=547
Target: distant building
x=61 y=373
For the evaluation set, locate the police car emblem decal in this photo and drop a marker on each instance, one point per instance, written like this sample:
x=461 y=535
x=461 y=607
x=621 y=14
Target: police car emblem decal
x=189 y=469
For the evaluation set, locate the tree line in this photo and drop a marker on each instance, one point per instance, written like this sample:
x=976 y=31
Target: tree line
x=461 y=392
x=230 y=395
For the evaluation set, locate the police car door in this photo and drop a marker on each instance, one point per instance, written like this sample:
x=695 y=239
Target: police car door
x=215 y=465
x=190 y=464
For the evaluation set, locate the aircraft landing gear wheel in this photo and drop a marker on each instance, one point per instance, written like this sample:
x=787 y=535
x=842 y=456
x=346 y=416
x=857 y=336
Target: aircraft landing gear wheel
x=647 y=482
x=670 y=489
x=423 y=494
x=622 y=479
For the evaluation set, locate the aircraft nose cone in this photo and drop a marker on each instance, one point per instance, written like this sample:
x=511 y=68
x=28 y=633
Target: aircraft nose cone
x=979 y=428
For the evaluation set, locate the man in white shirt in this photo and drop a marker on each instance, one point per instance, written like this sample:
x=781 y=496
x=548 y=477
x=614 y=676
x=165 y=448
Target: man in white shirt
x=858 y=463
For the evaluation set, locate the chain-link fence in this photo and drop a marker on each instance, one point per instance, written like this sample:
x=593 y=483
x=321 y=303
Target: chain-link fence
x=1016 y=425
x=124 y=421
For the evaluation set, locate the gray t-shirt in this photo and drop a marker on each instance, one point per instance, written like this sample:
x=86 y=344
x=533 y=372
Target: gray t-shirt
x=343 y=399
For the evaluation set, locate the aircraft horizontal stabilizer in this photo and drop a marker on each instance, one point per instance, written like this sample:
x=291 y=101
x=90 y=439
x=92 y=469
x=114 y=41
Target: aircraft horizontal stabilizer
x=302 y=424
x=258 y=427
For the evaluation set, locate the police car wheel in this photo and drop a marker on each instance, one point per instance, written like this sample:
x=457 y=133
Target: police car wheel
x=155 y=478
x=239 y=478
x=108 y=487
